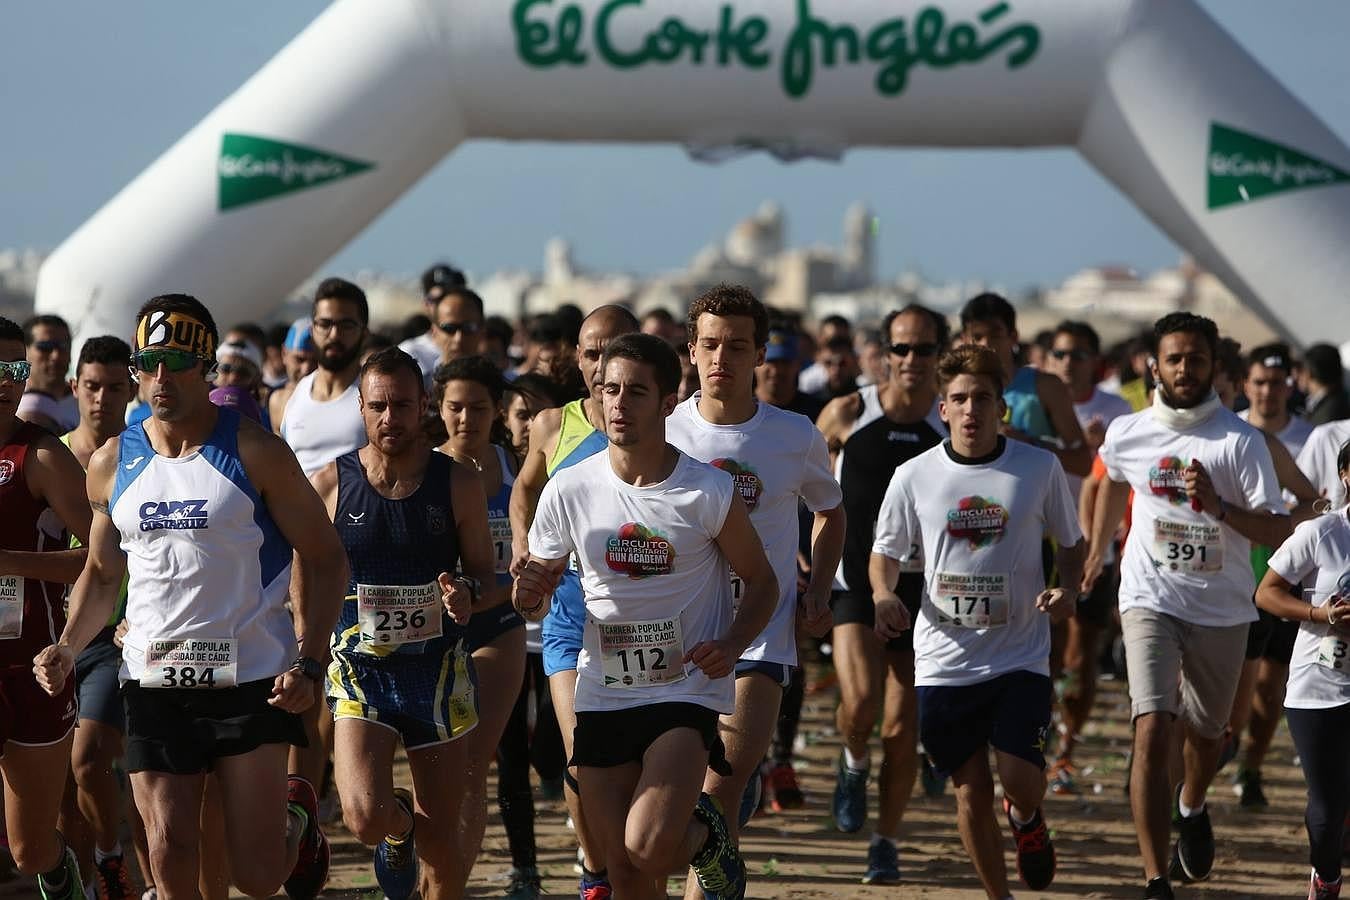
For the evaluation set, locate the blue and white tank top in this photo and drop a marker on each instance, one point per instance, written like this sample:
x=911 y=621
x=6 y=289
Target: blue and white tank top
x=208 y=570
x=499 y=519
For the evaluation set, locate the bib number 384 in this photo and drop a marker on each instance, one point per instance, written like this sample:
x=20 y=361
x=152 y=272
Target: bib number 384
x=971 y=601
x=641 y=654
x=196 y=664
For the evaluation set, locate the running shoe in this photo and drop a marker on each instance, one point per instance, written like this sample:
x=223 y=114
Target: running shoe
x=751 y=798
x=524 y=884
x=1323 y=890
x=1035 y=851
x=718 y=866
x=934 y=783
x=114 y=881
x=850 y=798
x=594 y=887
x=883 y=863
x=1194 y=850
x=397 y=870
x=74 y=887
x=311 y=866
x=784 y=791
x=1062 y=780
x=1158 y=889
x=1251 y=795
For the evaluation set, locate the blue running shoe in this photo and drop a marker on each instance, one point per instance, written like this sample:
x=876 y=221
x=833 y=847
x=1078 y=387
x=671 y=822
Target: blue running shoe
x=718 y=866
x=594 y=886
x=883 y=863
x=850 y=799
x=397 y=870
x=751 y=798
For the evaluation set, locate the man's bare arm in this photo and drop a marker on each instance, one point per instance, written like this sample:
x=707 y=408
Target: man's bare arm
x=530 y=481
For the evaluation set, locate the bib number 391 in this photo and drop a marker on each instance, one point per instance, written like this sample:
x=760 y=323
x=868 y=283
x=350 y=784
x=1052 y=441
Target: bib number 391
x=971 y=601
x=11 y=607
x=1187 y=547
x=641 y=654
x=196 y=664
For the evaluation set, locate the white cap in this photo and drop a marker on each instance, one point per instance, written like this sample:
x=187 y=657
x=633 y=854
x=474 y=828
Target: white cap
x=231 y=349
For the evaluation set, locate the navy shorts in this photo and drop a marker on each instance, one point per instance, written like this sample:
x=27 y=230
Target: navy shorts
x=486 y=626
x=96 y=682
x=427 y=698
x=779 y=673
x=1011 y=712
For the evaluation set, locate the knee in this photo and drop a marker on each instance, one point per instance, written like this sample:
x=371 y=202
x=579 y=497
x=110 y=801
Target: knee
x=1152 y=732
x=366 y=820
x=90 y=764
x=32 y=858
x=652 y=850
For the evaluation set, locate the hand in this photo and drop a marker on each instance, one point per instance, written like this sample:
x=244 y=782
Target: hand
x=293 y=692
x=892 y=619
x=813 y=613
x=520 y=555
x=120 y=632
x=717 y=659
x=1339 y=608
x=1092 y=570
x=456 y=598
x=1200 y=489
x=1057 y=603
x=532 y=590
x=52 y=666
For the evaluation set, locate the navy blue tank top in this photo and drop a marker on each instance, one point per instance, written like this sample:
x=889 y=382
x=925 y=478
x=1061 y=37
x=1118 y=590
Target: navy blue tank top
x=394 y=544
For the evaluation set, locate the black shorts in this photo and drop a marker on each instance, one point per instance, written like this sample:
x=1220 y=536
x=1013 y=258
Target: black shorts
x=616 y=737
x=1272 y=638
x=184 y=731
x=1094 y=607
x=1011 y=712
x=857 y=608
x=486 y=626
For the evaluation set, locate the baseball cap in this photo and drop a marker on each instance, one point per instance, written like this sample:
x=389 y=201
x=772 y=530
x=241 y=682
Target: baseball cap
x=782 y=347
x=238 y=399
x=299 y=336
x=442 y=275
x=231 y=349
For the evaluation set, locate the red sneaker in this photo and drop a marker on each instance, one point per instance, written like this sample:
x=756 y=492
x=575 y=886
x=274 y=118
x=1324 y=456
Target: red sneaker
x=311 y=867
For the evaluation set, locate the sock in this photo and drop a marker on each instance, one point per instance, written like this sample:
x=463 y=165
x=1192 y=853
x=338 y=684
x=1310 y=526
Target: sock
x=588 y=875
x=1186 y=811
x=856 y=763
x=57 y=881
x=1017 y=821
x=878 y=838
x=412 y=821
x=102 y=856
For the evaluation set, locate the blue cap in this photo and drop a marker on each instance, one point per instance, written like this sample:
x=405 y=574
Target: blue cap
x=299 y=336
x=782 y=347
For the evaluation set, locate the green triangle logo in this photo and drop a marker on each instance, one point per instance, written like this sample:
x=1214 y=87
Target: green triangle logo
x=1243 y=167
x=252 y=169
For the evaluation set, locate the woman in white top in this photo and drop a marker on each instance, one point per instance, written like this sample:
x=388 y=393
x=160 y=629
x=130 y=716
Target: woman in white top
x=1317 y=699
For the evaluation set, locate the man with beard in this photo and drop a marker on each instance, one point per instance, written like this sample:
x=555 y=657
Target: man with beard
x=322 y=420
x=48 y=400
x=1205 y=490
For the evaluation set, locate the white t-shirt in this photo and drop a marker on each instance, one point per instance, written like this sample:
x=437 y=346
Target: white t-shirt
x=1318 y=553
x=654 y=579
x=775 y=457
x=1178 y=561
x=1293 y=436
x=426 y=351
x=980 y=525
x=1318 y=459
x=1103 y=406
x=320 y=432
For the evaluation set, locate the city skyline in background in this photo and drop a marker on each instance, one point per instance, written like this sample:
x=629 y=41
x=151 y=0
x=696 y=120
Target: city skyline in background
x=97 y=114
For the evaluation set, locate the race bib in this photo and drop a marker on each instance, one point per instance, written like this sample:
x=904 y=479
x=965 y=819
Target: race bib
x=913 y=561
x=971 y=601
x=1187 y=547
x=501 y=544
x=11 y=607
x=196 y=663
x=737 y=591
x=395 y=614
x=1332 y=653
x=641 y=654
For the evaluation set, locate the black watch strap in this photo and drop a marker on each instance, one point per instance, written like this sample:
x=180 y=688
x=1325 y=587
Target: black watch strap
x=309 y=667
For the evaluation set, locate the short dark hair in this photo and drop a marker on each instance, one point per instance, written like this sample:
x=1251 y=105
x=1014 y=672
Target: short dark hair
x=1229 y=360
x=989 y=307
x=475 y=302
x=188 y=305
x=105 y=350
x=344 y=290
x=1190 y=323
x=649 y=350
x=1080 y=331
x=539 y=387
x=478 y=369
x=276 y=334
x=498 y=329
x=940 y=326
x=1273 y=356
x=45 y=319
x=571 y=317
x=729 y=300
x=253 y=332
x=10 y=331
x=1323 y=362
x=970 y=359
x=546 y=329
x=391 y=361
x=660 y=314
x=841 y=344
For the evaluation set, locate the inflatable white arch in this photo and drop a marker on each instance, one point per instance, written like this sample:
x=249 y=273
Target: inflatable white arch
x=360 y=105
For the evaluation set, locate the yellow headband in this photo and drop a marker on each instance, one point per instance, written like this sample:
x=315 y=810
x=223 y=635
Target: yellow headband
x=176 y=331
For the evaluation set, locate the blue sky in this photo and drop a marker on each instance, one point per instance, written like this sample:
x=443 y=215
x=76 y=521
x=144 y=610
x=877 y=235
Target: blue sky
x=92 y=92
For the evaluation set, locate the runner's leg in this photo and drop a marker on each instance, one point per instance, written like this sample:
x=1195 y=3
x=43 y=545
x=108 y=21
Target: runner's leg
x=171 y=807
x=215 y=863
x=363 y=756
x=260 y=836
x=980 y=834
x=899 y=742
x=1151 y=791
x=563 y=687
x=439 y=801
x=35 y=779
x=515 y=801
x=1267 y=710
x=609 y=794
x=857 y=660
x=97 y=748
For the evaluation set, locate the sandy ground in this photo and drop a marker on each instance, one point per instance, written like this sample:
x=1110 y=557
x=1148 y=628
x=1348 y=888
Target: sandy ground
x=800 y=855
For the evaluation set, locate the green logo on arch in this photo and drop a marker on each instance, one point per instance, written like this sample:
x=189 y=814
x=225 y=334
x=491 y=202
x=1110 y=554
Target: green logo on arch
x=1243 y=167
x=252 y=169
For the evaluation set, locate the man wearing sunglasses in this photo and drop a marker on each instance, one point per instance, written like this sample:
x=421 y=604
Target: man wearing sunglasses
x=428 y=348
x=459 y=319
x=870 y=433
x=204 y=512
x=48 y=400
x=41 y=494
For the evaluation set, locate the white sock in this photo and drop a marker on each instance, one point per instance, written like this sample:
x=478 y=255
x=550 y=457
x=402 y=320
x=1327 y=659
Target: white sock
x=856 y=763
x=1186 y=811
x=1017 y=820
x=101 y=856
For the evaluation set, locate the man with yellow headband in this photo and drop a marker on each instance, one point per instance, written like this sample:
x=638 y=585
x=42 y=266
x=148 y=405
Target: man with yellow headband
x=203 y=511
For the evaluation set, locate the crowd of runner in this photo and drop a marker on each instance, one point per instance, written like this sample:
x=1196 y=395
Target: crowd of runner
x=238 y=570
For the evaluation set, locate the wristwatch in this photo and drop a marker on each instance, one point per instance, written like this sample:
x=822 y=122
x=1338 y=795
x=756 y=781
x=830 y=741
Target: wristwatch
x=474 y=586
x=309 y=667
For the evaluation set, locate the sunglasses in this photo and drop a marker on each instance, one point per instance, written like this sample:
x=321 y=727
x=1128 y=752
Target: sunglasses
x=172 y=360
x=231 y=368
x=1075 y=355
x=15 y=371
x=924 y=349
x=457 y=327
x=50 y=346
